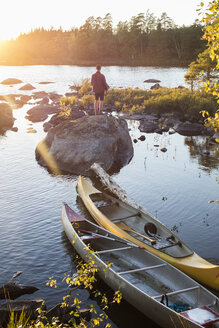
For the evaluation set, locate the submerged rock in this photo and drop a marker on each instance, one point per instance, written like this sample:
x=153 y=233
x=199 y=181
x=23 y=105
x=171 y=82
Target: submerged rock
x=39 y=94
x=152 y=81
x=40 y=113
x=6 y=117
x=46 y=82
x=76 y=145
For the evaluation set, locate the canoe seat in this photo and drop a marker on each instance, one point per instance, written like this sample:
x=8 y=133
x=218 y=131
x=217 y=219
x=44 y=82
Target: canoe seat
x=203 y=316
x=114 y=250
x=89 y=237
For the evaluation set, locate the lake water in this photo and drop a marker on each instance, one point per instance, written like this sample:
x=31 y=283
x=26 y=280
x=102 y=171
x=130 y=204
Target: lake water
x=175 y=186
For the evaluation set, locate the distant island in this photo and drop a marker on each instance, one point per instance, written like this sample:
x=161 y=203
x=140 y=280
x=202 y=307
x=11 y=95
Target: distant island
x=145 y=40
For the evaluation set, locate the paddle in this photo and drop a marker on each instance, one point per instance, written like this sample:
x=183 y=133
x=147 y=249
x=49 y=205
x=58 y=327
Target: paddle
x=127 y=228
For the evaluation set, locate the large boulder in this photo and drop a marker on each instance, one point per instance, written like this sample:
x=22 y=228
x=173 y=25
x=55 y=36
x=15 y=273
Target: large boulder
x=76 y=145
x=6 y=116
x=59 y=118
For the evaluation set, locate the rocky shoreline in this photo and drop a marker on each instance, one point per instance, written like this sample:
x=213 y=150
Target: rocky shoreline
x=46 y=104
x=69 y=140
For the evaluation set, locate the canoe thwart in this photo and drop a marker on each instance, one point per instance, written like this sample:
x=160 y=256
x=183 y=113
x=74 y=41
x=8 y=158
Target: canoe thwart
x=143 y=269
x=185 y=290
x=114 y=250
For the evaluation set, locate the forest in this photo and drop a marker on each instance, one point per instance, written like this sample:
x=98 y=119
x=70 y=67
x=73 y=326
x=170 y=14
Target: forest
x=144 y=40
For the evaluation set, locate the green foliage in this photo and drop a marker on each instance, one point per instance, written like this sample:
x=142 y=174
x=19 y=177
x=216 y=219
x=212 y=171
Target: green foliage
x=212 y=121
x=65 y=101
x=180 y=100
x=161 y=100
x=87 y=100
x=211 y=34
x=85 y=87
x=65 y=111
x=65 y=108
x=212 y=29
x=85 y=277
x=120 y=97
x=144 y=40
x=203 y=69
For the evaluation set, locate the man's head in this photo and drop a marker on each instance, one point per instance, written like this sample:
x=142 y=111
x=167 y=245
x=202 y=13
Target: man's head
x=98 y=67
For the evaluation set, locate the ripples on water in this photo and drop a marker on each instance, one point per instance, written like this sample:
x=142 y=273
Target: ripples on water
x=175 y=186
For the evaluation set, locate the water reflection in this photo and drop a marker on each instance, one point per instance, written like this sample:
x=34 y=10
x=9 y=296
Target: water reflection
x=206 y=153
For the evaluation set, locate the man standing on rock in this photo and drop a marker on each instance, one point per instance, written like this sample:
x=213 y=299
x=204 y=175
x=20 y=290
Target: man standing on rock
x=99 y=85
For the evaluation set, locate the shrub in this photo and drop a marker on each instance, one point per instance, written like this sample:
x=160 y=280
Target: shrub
x=65 y=101
x=87 y=100
x=180 y=100
x=85 y=87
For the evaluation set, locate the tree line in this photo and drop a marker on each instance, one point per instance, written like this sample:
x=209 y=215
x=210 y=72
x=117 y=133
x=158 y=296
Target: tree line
x=144 y=40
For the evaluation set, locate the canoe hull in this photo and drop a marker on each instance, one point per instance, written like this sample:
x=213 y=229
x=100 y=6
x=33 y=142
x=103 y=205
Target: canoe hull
x=150 y=307
x=193 y=265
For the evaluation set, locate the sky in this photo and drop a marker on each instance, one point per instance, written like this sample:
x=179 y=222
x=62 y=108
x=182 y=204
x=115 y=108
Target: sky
x=20 y=16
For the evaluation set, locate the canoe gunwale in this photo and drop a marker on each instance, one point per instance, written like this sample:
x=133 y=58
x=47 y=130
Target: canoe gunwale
x=152 y=305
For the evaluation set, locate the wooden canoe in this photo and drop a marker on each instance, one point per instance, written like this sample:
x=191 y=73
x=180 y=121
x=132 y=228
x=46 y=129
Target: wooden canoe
x=127 y=222
x=143 y=278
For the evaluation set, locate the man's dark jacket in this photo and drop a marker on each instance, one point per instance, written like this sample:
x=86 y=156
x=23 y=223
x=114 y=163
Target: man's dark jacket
x=98 y=82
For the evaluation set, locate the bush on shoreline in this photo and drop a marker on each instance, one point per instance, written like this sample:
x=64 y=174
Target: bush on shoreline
x=162 y=100
x=72 y=304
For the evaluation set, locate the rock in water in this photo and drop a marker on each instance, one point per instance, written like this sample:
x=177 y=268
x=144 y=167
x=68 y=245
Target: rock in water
x=11 y=81
x=13 y=290
x=6 y=116
x=76 y=145
x=191 y=129
x=29 y=307
x=27 y=86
